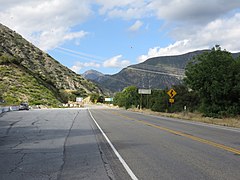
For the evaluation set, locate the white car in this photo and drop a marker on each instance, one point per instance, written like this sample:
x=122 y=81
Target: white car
x=24 y=106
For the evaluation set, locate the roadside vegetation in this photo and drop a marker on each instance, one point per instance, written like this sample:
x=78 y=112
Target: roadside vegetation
x=19 y=84
x=211 y=87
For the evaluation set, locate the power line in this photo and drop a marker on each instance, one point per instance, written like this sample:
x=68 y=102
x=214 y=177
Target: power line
x=82 y=55
x=75 y=55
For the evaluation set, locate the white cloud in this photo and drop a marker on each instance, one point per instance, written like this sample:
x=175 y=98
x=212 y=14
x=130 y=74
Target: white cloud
x=188 y=11
x=192 y=11
x=79 y=65
x=130 y=13
x=109 y=5
x=136 y=26
x=126 y=9
x=49 y=23
x=116 y=62
x=73 y=35
x=178 y=47
x=46 y=23
x=225 y=32
x=51 y=39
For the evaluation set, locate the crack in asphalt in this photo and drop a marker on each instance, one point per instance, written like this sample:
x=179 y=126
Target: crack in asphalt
x=64 y=147
x=104 y=160
x=17 y=165
x=33 y=123
x=10 y=126
x=20 y=150
x=19 y=143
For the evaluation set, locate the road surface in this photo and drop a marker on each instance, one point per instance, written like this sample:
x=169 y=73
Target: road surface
x=103 y=143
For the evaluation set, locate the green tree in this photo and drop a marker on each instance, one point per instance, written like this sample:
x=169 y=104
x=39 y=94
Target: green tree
x=214 y=76
x=127 y=98
x=184 y=97
x=118 y=99
x=159 y=101
x=131 y=96
x=94 y=97
x=100 y=99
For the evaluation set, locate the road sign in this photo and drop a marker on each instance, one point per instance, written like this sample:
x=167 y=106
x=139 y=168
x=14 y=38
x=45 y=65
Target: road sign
x=171 y=100
x=108 y=99
x=144 y=91
x=79 y=99
x=171 y=93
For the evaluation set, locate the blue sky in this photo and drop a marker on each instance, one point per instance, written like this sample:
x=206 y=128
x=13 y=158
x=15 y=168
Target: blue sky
x=111 y=39
x=108 y=35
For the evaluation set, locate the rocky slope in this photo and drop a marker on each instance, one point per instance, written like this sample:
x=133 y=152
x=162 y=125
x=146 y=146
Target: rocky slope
x=15 y=50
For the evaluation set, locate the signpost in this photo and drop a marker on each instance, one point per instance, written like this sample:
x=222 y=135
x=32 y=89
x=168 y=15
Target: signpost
x=172 y=93
x=144 y=91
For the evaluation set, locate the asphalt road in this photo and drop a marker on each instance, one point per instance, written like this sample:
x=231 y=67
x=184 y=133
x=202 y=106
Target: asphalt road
x=68 y=144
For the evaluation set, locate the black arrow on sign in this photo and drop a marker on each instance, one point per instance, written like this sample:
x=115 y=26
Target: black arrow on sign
x=171 y=93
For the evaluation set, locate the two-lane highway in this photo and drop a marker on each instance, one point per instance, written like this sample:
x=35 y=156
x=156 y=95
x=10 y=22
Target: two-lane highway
x=104 y=143
x=164 y=148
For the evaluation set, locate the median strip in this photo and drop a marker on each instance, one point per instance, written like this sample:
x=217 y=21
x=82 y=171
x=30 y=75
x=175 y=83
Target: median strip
x=195 y=138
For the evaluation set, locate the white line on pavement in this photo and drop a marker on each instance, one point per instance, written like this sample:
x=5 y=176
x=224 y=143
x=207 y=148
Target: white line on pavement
x=129 y=171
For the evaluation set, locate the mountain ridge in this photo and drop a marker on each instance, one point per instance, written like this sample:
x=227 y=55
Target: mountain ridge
x=157 y=73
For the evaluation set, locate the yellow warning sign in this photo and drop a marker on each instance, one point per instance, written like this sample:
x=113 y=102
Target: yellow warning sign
x=171 y=93
x=171 y=101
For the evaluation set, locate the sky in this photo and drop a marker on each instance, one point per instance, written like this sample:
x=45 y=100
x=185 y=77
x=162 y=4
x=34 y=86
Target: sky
x=108 y=35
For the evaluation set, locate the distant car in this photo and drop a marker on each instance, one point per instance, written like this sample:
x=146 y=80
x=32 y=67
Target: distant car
x=24 y=106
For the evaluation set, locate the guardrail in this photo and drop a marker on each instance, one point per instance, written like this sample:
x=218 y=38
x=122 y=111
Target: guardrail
x=8 y=108
x=4 y=109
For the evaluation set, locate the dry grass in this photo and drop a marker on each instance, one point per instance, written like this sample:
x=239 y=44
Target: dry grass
x=197 y=117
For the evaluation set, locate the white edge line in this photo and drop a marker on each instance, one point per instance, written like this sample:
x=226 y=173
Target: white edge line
x=129 y=171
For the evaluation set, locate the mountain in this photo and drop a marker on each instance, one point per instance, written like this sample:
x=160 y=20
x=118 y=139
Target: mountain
x=21 y=61
x=155 y=73
x=92 y=75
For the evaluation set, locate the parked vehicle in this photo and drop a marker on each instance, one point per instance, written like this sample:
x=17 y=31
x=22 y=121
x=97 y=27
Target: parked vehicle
x=24 y=106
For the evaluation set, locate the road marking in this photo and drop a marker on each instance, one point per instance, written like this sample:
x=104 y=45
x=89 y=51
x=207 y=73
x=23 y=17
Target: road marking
x=194 y=123
x=127 y=168
x=195 y=138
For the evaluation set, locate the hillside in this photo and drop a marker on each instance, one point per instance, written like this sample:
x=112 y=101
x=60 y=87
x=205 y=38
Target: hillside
x=18 y=85
x=155 y=73
x=17 y=53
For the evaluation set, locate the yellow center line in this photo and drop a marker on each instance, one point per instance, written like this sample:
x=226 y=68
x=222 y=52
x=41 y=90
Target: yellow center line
x=195 y=138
